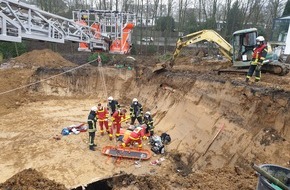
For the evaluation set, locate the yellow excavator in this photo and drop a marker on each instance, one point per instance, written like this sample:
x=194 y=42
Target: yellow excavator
x=239 y=53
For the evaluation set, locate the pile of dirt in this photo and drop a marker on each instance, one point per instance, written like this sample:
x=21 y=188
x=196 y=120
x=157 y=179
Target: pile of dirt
x=43 y=58
x=222 y=178
x=31 y=179
x=17 y=73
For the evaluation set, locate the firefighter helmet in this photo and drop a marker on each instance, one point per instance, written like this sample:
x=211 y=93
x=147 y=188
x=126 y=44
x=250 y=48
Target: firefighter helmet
x=94 y=108
x=135 y=100
x=84 y=17
x=131 y=127
x=147 y=113
x=110 y=98
x=260 y=39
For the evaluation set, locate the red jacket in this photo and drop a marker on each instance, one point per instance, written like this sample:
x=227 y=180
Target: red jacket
x=260 y=53
x=117 y=117
x=102 y=114
x=137 y=133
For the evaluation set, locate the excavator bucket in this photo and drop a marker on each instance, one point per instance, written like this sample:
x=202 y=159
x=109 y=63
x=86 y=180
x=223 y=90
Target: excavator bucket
x=159 y=67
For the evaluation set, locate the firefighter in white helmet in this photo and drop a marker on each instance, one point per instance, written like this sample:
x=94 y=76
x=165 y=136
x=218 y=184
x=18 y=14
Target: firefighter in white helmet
x=259 y=55
x=149 y=123
x=136 y=112
x=113 y=105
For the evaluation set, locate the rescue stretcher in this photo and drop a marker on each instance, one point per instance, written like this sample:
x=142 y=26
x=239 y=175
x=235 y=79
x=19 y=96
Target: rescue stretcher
x=127 y=152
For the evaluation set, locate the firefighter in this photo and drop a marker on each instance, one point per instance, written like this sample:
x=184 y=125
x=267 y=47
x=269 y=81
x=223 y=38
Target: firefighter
x=135 y=136
x=127 y=133
x=99 y=60
x=149 y=123
x=117 y=118
x=92 y=120
x=136 y=112
x=102 y=114
x=259 y=55
x=84 y=18
x=113 y=105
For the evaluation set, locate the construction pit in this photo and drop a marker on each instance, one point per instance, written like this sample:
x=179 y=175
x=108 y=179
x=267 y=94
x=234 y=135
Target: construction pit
x=190 y=102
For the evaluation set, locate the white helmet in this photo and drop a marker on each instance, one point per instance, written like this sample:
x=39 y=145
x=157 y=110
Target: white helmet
x=260 y=39
x=94 y=108
x=135 y=100
x=110 y=98
x=147 y=113
x=131 y=127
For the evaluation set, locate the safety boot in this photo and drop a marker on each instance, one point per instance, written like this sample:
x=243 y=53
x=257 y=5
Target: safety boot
x=257 y=80
x=92 y=148
x=140 y=147
x=102 y=133
x=94 y=145
x=110 y=137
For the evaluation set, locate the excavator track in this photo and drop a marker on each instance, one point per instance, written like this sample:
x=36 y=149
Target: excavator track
x=277 y=68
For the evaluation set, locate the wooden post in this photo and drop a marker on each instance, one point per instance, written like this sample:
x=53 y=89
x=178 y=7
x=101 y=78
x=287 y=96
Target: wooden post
x=222 y=127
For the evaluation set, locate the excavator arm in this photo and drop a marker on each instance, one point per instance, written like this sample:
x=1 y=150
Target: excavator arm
x=203 y=35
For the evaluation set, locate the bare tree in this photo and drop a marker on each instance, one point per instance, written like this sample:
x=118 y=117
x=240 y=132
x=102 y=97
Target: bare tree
x=182 y=9
x=168 y=28
x=126 y=5
x=275 y=8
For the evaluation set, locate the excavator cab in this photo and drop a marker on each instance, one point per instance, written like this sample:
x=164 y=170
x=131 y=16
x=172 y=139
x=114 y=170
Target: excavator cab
x=243 y=42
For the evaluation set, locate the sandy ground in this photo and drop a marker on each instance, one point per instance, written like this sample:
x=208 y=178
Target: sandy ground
x=189 y=103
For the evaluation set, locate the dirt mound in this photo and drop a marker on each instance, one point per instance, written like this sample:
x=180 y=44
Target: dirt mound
x=43 y=58
x=31 y=179
x=223 y=178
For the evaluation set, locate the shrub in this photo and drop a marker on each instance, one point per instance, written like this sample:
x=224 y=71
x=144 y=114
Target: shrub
x=105 y=58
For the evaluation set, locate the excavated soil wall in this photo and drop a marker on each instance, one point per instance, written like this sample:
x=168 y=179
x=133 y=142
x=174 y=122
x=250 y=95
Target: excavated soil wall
x=191 y=107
